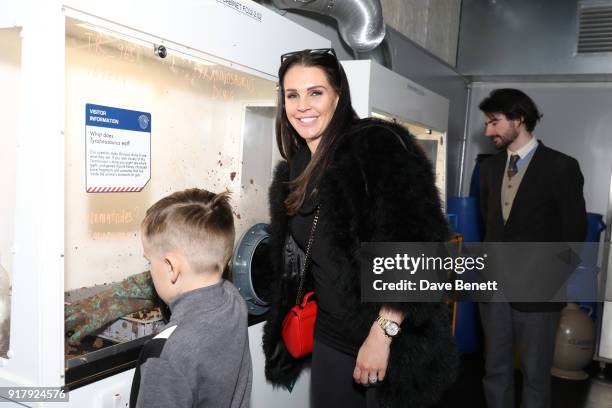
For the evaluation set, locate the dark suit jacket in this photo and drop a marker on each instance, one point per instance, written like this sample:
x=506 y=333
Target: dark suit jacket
x=548 y=207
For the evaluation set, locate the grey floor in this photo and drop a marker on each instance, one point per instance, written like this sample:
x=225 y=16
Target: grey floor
x=595 y=392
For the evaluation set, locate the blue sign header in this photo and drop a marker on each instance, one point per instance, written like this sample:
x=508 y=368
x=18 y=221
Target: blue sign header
x=116 y=118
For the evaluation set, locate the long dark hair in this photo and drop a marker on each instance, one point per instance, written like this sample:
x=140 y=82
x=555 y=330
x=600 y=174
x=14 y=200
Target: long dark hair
x=289 y=141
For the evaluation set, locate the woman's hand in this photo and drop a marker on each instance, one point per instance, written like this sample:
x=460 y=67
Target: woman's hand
x=373 y=357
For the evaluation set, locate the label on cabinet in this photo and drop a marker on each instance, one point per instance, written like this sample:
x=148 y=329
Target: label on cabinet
x=117 y=149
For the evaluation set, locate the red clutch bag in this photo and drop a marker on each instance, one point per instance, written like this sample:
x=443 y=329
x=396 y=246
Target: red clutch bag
x=298 y=327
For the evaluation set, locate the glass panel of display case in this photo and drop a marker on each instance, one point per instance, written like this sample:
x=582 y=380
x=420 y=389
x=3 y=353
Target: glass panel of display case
x=10 y=72
x=142 y=123
x=433 y=144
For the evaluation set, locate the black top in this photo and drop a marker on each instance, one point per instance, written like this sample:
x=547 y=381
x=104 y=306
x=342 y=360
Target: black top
x=330 y=299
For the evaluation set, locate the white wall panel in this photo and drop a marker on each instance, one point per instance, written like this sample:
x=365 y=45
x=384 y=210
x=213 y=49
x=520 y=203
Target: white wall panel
x=577 y=121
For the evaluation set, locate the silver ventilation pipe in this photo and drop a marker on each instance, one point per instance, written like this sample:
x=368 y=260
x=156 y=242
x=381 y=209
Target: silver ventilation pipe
x=360 y=23
x=381 y=54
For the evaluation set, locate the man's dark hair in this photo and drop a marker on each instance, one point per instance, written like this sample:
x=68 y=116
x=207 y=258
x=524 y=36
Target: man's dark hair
x=514 y=104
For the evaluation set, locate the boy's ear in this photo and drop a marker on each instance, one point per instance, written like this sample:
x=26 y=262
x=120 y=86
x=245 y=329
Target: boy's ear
x=175 y=266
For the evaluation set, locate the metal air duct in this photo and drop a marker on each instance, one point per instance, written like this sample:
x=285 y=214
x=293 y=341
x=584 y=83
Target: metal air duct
x=360 y=22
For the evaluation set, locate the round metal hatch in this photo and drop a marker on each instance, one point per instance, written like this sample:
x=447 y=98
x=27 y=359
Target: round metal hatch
x=251 y=268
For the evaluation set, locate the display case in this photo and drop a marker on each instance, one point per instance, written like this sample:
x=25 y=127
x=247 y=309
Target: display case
x=141 y=122
x=379 y=92
x=10 y=74
x=114 y=107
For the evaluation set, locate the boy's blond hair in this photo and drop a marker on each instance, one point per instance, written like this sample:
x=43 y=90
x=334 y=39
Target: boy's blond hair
x=195 y=222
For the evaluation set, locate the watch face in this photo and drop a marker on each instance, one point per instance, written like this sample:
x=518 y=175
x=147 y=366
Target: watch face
x=392 y=329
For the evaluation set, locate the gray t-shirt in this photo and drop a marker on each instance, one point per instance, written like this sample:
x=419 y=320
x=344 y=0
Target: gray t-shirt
x=202 y=357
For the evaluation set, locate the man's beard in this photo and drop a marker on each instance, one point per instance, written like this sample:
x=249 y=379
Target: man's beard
x=502 y=142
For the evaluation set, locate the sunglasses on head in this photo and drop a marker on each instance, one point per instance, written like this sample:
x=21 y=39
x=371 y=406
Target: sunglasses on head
x=319 y=51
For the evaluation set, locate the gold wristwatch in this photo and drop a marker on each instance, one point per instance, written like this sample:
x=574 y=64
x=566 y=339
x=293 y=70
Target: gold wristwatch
x=390 y=328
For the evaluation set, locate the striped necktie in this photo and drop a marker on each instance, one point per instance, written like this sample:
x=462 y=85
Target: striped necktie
x=512 y=168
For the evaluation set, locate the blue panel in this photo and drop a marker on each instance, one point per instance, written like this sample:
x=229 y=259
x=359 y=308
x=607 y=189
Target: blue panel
x=116 y=118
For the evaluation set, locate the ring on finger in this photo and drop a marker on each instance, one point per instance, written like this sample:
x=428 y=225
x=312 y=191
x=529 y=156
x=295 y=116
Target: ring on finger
x=373 y=379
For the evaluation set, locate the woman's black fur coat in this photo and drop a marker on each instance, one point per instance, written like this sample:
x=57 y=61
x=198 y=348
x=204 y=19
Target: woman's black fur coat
x=379 y=187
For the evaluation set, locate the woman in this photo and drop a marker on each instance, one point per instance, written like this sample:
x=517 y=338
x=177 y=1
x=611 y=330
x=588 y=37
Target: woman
x=370 y=182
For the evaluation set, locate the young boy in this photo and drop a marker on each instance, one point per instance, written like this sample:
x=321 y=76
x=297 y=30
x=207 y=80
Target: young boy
x=202 y=358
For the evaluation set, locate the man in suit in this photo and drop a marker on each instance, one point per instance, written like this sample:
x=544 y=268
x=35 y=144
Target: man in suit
x=529 y=193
